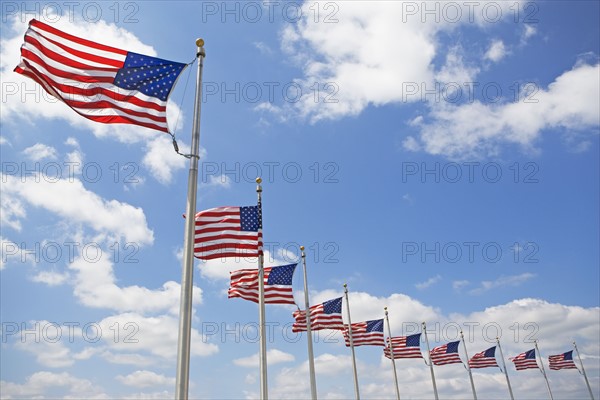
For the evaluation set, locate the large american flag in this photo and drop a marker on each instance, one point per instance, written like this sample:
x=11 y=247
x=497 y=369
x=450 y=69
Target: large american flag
x=99 y=82
x=228 y=232
x=446 y=354
x=277 y=284
x=404 y=346
x=365 y=333
x=562 y=361
x=525 y=360
x=486 y=358
x=327 y=315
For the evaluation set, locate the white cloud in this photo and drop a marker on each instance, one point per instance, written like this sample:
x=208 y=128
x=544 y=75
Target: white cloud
x=512 y=280
x=364 y=53
x=220 y=268
x=428 y=283
x=274 y=356
x=528 y=32
x=144 y=379
x=39 y=383
x=496 y=52
x=51 y=278
x=162 y=160
x=476 y=129
x=69 y=199
x=459 y=285
x=40 y=151
x=95 y=286
x=11 y=251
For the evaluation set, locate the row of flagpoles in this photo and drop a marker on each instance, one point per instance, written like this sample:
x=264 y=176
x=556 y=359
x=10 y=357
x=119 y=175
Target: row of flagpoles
x=226 y=232
x=111 y=85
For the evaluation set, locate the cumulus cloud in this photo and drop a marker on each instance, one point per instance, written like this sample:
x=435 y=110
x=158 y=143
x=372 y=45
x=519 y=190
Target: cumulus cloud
x=274 y=356
x=476 y=129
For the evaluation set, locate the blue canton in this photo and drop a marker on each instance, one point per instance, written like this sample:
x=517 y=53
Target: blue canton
x=452 y=347
x=333 y=306
x=375 y=325
x=281 y=275
x=413 y=340
x=249 y=220
x=152 y=76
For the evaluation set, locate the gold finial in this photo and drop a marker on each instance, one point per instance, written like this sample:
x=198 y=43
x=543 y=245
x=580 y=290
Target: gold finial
x=258 y=180
x=301 y=248
x=345 y=285
x=385 y=309
x=200 y=42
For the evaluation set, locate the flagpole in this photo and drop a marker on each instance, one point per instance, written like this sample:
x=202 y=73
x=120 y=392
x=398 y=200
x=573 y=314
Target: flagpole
x=462 y=337
x=392 y=353
x=543 y=369
x=356 y=391
x=583 y=370
x=505 y=371
x=264 y=390
x=311 y=357
x=435 y=392
x=187 y=275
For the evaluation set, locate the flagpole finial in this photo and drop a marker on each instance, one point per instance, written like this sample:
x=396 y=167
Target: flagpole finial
x=200 y=42
x=384 y=308
x=301 y=248
x=259 y=180
x=345 y=286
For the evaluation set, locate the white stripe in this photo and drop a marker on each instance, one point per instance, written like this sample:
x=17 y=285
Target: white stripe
x=77 y=46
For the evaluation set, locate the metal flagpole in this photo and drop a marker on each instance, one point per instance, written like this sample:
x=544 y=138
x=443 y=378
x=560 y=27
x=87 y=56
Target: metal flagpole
x=583 y=371
x=187 y=275
x=392 y=353
x=505 y=371
x=537 y=351
x=462 y=338
x=264 y=390
x=435 y=392
x=311 y=360
x=356 y=391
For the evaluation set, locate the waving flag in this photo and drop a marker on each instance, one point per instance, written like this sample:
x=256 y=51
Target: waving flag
x=327 y=315
x=278 y=284
x=99 y=82
x=365 y=333
x=404 y=346
x=562 y=361
x=484 y=359
x=228 y=232
x=446 y=354
x=525 y=360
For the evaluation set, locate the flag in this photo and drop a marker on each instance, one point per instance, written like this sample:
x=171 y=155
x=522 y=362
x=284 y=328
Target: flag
x=277 y=281
x=404 y=346
x=484 y=359
x=99 y=82
x=228 y=232
x=327 y=315
x=525 y=360
x=445 y=354
x=562 y=361
x=365 y=333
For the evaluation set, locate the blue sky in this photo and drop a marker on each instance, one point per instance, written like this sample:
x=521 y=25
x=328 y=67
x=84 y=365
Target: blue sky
x=440 y=158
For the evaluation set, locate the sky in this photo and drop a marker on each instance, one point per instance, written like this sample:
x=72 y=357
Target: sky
x=442 y=159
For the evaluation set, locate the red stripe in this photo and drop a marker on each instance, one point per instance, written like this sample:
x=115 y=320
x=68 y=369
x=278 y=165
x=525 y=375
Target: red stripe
x=75 y=39
x=81 y=54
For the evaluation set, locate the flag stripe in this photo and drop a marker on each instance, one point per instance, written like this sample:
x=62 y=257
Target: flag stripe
x=526 y=360
x=484 y=359
x=562 y=361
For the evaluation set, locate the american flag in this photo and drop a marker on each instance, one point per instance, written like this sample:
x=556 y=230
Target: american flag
x=404 y=346
x=446 y=354
x=484 y=359
x=525 y=360
x=228 y=232
x=562 y=361
x=365 y=333
x=277 y=283
x=327 y=315
x=99 y=82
